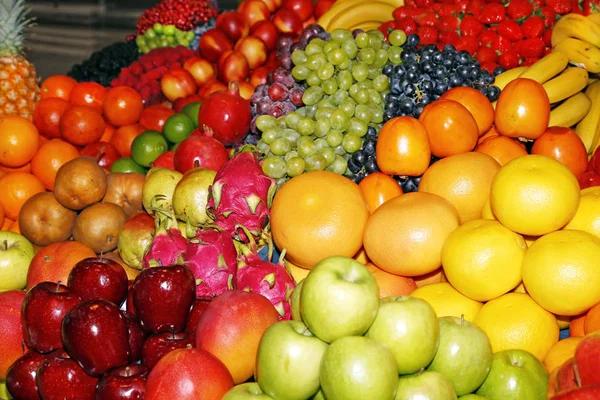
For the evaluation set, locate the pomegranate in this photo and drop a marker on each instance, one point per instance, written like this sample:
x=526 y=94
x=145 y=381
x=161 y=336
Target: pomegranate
x=227 y=114
x=200 y=149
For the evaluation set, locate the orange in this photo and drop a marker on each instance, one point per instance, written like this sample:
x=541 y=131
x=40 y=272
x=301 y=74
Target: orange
x=436 y=276
x=561 y=352
x=390 y=284
x=592 y=320
x=476 y=102
x=14 y=227
x=16 y=188
x=19 y=141
x=464 y=180
x=7 y=223
x=502 y=149
x=24 y=168
x=124 y=136
x=406 y=234
x=51 y=156
x=318 y=215
x=577 y=326
x=2 y=216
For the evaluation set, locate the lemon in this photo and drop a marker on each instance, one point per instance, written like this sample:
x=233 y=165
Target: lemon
x=486 y=211
x=447 y=301
x=561 y=271
x=561 y=352
x=587 y=217
x=482 y=259
x=534 y=195
x=515 y=321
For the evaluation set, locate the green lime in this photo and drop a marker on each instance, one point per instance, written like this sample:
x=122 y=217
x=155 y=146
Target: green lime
x=147 y=147
x=158 y=28
x=191 y=110
x=174 y=146
x=150 y=34
x=126 y=164
x=169 y=30
x=177 y=127
x=140 y=40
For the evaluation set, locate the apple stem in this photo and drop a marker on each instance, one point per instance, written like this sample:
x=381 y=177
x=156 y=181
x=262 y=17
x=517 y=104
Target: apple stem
x=23 y=346
x=196 y=163
x=172 y=333
x=5 y=244
x=128 y=370
x=58 y=286
x=421 y=371
x=462 y=319
x=576 y=373
x=189 y=346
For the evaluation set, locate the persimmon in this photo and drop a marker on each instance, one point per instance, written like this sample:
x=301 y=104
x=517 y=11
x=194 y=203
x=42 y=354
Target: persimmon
x=82 y=125
x=47 y=115
x=377 y=188
x=502 y=149
x=492 y=132
x=476 y=102
x=403 y=147
x=564 y=146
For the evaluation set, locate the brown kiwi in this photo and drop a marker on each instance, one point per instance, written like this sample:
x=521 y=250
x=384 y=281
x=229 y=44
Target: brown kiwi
x=125 y=190
x=43 y=220
x=80 y=183
x=99 y=225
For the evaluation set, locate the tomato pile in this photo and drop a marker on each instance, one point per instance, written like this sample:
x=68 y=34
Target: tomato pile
x=497 y=33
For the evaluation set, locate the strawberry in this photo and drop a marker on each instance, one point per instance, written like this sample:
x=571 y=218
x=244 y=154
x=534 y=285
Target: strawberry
x=576 y=8
x=427 y=34
x=467 y=43
x=463 y=4
x=548 y=38
x=518 y=9
x=423 y=3
x=530 y=61
x=448 y=37
x=448 y=23
x=408 y=25
x=492 y=13
x=533 y=47
x=487 y=38
x=549 y=16
x=444 y=10
x=489 y=67
x=510 y=30
x=508 y=60
x=474 y=7
x=387 y=27
x=533 y=27
x=560 y=7
x=428 y=18
x=486 y=55
x=502 y=44
x=401 y=12
x=470 y=26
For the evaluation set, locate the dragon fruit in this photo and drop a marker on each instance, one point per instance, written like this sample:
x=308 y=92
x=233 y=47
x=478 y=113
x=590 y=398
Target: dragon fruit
x=168 y=244
x=212 y=258
x=270 y=280
x=241 y=196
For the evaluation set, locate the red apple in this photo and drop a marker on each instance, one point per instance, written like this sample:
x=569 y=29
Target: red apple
x=267 y=32
x=565 y=377
x=188 y=374
x=136 y=337
x=163 y=297
x=177 y=83
x=43 y=310
x=199 y=150
x=165 y=160
x=212 y=43
x=259 y=75
x=254 y=49
x=198 y=308
x=233 y=66
x=60 y=378
x=157 y=346
x=129 y=307
x=123 y=383
x=254 y=11
x=288 y=23
x=88 y=328
x=589 y=179
x=591 y=392
x=302 y=8
x=20 y=379
x=99 y=278
x=11 y=329
x=201 y=69
x=245 y=316
x=587 y=358
x=104 y=152
x=233 y=24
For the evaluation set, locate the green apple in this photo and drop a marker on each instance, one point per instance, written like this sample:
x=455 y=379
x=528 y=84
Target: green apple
x=426 y=385
x=464 y=355
x=3 y=391
x=246 y=391
x=515 y=375
x=288 y=361
x=472 y=397
x=359 y=368
x=295 y=301
x=16 y=253
x=410 y=328
x=339 y=298
x=319 y=396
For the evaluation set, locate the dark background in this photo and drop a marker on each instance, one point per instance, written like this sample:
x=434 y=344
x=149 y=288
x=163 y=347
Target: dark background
x=68 y=31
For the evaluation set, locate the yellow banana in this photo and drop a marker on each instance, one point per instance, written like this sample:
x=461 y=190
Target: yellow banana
x=576 y=26
x=588 y=129
x=340 y=6
x=369 y=11
x=569 y=82
x=366 y=25
x=594 y=17
x=547 y=68
x=508 y=76
x=580 y=53
x=570 y=111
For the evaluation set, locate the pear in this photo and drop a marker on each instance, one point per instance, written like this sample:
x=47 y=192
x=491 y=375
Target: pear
x=191 y=195
x=159 y=187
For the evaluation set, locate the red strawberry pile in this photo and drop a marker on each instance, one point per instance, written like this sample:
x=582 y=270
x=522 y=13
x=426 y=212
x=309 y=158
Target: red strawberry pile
x=184 y=14
x=144 y=75
x=505 y=33
x=591 y=177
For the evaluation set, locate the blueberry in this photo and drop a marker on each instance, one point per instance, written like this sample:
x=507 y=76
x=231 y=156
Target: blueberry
x=427 y=67
x=427 y=86
x=463 y=71
x=440 y=72
x=409 y=90
x=475 y=74
x=395 y=85
x=407 y=105
x=425 y=99
x=399 y=70
x=438 y=58
x=371 y=132
x=412 y=40
x=371 y=165
x=493 y=92
x=412 y=76
x=449 y=49
x=369 y=147
x=387 y=70
x=486 y=78
x=387 y=115
x=448 y=63
x=390 y=106
x=418 y=110
x=352 y=166
x=463 y=57
x=498 y=70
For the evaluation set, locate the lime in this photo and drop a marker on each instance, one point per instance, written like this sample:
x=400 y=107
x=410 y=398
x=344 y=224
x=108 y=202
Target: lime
x=177 y=127
x=191 y=110
x=169 y=30
x=150 y=33
x=147 y=146
x=174 y=146
x=126 y=164
x=158 y=28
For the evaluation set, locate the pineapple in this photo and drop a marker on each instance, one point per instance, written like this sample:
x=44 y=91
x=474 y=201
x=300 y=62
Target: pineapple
x=19 y=89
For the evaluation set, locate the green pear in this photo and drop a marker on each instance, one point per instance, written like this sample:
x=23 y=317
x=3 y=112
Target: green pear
x=191 y=195
x=159 y=187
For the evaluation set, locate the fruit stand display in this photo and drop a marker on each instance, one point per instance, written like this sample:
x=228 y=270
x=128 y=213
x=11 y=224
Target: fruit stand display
x=298 y=200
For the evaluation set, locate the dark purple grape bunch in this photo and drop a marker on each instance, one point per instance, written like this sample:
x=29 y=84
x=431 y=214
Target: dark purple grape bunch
x=286 y=45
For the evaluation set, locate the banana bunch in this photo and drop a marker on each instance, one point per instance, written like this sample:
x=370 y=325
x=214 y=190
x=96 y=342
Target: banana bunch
x=358 y=14
x=588 y=129
x=578 y=37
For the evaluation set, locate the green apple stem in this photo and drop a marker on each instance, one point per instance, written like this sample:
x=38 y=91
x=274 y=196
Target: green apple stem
x=420 y=371
x=5 y=244
x=577 y=377
x=462 y=319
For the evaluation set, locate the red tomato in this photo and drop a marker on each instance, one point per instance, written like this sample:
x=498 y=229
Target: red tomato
x=377 y=188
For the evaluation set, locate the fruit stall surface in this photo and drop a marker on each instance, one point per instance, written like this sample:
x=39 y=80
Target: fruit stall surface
x=300 y=200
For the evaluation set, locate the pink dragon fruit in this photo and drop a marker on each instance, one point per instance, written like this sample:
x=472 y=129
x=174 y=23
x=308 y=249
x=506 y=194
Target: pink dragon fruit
x=273 y=281
x=241 y=196
x=168 y=244
x=212 y=258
